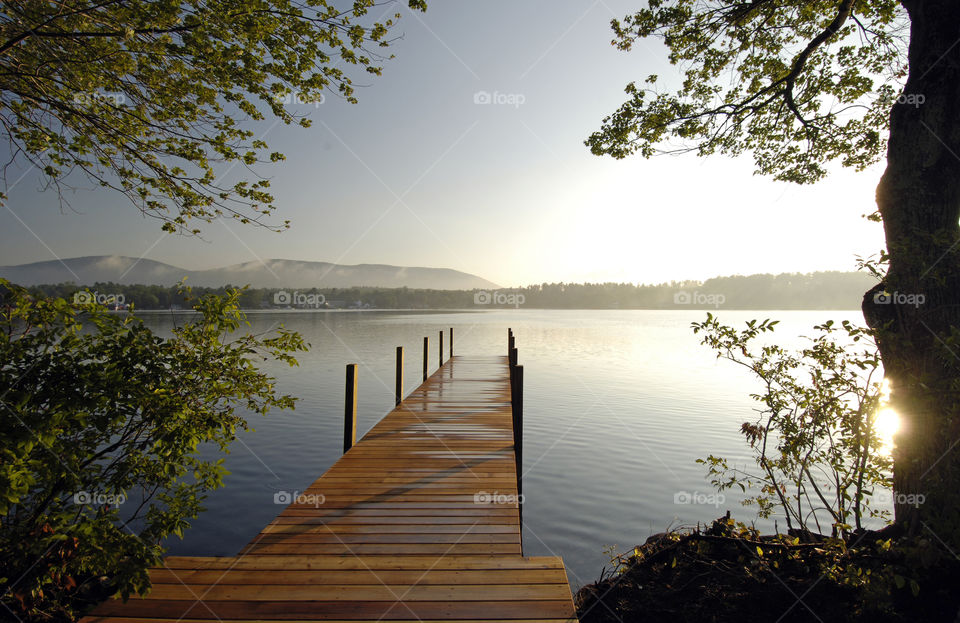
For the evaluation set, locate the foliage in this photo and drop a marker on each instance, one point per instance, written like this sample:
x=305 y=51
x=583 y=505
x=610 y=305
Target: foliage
x=815 y=441
x=796 y=83
x=145 y=97
x=100 y=426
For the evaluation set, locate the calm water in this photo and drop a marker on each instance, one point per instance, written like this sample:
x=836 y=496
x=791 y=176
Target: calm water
x=618 y=406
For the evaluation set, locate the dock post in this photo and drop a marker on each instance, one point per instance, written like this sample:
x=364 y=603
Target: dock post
x=350 y=408
x=399 y=392
x=513 y=357
x=441 y=349
x=516 y=403
x=511 y=342
x=426 y=356
x=451 y=342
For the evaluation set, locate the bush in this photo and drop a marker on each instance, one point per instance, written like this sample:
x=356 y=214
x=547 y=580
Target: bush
x=100 y=426
x=815 y=441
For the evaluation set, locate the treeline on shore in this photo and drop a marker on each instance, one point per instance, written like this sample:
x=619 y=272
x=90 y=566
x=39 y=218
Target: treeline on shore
x=820 y=290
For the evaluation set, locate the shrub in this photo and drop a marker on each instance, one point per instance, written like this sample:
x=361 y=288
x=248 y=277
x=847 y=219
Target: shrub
x=101 y=422
x=815 y=441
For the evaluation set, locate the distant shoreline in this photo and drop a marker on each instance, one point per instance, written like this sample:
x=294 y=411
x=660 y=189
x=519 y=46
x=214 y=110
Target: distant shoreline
x=440 y=310
x=815 y=291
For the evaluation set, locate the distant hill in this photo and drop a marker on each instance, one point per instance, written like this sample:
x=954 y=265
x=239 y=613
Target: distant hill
x=268 y=274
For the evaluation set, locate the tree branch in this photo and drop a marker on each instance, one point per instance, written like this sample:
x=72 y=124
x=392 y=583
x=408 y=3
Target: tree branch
x=843 y=13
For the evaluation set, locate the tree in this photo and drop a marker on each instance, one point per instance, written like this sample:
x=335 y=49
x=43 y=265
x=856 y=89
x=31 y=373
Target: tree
x=146 y=97
x=101 y=423
x=799 y=85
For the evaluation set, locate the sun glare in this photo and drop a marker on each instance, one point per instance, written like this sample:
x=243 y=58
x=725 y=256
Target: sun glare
x=888 y=421
x=887 y=425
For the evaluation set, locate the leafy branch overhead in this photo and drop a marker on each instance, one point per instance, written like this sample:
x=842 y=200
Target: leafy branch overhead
x=147 y=97
x=799 y=84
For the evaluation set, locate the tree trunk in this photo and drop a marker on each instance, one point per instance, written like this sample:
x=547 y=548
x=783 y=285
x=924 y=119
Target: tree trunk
x=917 y=307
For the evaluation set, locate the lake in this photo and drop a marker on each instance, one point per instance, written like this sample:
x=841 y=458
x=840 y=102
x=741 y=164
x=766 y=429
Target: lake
x=618 y=406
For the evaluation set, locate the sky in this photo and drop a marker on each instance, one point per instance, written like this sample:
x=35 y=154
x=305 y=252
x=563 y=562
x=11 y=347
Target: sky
x=423 y=172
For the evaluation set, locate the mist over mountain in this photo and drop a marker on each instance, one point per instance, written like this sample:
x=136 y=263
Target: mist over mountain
x=267 y=274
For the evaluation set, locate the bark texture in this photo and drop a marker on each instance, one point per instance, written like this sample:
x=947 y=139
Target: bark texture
x=917 y=307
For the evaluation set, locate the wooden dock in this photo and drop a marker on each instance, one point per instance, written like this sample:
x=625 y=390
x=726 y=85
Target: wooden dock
x=418 y=521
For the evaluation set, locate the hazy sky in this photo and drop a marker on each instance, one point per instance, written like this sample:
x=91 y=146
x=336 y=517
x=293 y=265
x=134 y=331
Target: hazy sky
x=418 y=174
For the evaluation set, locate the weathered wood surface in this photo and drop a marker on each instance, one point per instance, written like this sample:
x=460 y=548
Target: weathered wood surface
x=418 y=521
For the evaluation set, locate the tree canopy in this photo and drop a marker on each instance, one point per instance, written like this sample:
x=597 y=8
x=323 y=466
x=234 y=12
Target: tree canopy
x=147 y=97
x=796 y=83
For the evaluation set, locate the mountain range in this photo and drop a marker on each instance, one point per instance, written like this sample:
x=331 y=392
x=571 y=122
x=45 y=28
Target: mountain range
x=267 y=274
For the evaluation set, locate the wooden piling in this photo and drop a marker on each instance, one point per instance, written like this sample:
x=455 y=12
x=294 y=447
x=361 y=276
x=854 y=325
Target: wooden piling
x=516 y=401
x=399 y=385
x=350 y=408
x=426 y=356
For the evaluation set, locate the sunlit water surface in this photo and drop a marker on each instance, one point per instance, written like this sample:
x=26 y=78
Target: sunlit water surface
x=618 y=407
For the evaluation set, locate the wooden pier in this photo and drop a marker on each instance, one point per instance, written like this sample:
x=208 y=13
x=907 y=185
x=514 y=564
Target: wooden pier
x=418 y=521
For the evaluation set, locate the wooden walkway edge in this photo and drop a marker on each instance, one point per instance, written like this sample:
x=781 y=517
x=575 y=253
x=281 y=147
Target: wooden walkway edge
x=418 y=521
